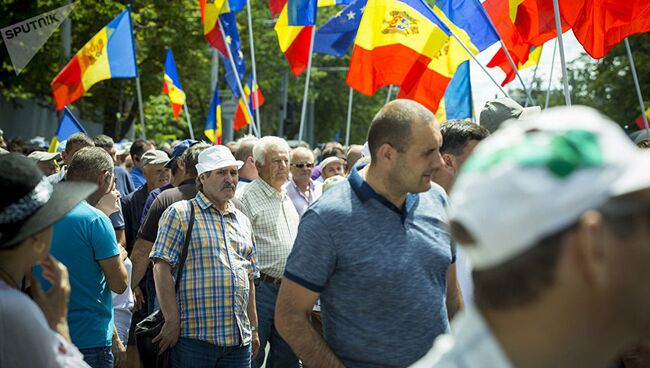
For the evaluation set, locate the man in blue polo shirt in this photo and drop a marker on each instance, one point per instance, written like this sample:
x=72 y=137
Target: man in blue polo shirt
x=376 y=252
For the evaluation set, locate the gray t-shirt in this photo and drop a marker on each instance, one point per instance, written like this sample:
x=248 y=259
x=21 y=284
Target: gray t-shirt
x=381 y=272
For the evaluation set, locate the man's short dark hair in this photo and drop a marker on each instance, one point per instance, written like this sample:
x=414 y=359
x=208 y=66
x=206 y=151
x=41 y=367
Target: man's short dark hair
x=334 y=151
x=245 y=148
x=88 y=164
x=392 y=124
x=103 y=141
x=457 y=133
x=78 y=140
x=139 y=147
x=644 y=143
x=191 y=157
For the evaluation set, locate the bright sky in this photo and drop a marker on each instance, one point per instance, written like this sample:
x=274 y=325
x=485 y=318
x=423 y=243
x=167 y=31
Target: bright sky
x=483 y=89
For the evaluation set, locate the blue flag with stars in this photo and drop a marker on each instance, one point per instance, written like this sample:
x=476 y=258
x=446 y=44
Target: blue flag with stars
x=337 y=35
x=233 y=43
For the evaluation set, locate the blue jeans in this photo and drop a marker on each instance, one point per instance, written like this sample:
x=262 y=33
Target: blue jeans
x=280 y=355
x=199 y=354
x=98 y=357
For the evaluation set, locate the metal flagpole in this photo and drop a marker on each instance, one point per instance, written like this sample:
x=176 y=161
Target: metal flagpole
x=189 y=122
x=303 y=114
x=239 y=85
x=347 y=128
x=514 y=67
x=636 y=83
x=565 y=77
x=550 y=77
x=143 y=134
x=252 y=45
x=479 y=64
x=390 y=91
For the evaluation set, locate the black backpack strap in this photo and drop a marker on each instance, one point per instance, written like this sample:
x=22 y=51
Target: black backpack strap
x=186 y=246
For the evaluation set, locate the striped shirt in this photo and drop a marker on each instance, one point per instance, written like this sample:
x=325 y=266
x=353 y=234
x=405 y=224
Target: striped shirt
x=214 y=289
x=275 y=224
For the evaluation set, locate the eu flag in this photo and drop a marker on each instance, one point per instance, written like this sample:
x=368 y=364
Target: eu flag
x=337 y=35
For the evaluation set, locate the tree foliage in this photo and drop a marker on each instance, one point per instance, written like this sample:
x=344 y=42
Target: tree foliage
x=176 y=24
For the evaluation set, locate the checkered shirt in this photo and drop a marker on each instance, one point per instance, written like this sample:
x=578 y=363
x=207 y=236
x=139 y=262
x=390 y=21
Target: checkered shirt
x=275 y=224
x=213 y=294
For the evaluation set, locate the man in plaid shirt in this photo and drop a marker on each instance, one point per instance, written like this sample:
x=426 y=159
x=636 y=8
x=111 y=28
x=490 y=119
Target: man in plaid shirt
x=212 y=321
x=275 y=223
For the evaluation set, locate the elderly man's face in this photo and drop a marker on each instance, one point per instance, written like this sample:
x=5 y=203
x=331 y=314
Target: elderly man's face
x=47 y=167
x=219 y=185
x=333 y=169
x=415 y=167
x=275 y=170
x=152 y=173
x=301 y=164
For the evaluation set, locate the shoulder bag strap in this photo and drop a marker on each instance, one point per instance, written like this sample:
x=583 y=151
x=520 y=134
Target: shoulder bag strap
x=186 y=245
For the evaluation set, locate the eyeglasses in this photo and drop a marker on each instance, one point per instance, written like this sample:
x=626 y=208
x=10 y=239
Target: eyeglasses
x=301 y=166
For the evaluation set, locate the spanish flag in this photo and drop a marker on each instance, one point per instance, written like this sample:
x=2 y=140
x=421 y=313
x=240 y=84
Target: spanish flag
x=213 y=124
x=401 y=42
x=241 y=116
x=109 y=54
x=172 y=84
x=294 y=40
x=68 y=126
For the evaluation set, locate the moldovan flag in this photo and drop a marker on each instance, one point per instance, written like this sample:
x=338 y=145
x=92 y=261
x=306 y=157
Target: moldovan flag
x=109 y=54
x=294 y=40
x=400 y=42
x=213 y=124
x=172 y=84
x=67 y=127
x=600 y=24
x=241 y=116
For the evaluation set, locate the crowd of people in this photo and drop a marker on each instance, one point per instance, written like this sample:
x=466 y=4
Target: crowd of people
x=519 y=242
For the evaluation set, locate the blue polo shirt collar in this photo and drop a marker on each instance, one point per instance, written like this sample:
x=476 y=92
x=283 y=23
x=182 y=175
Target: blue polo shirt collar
x=365 y=192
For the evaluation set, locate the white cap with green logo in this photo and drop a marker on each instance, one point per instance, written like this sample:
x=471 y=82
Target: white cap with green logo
x=536 y=176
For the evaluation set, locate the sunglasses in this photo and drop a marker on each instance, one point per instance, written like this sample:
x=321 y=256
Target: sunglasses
x=301 y=166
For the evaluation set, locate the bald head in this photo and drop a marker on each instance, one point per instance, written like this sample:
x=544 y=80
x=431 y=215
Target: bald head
x=392 y=124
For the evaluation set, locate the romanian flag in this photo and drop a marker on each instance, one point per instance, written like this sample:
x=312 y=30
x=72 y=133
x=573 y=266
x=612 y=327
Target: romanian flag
x=457 y=103
x=600 y=24
x=639 y=121
x=522 y=25
x=294 y=40
x=401 y=42
x=241 y=116
x=337 y=35
x=109 y=54
x=172 y=84
x=67 y=127
x=302 y=12
x=213 y=124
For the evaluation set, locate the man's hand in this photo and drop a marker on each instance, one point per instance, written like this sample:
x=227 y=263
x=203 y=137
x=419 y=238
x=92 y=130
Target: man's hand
x=54 y=302
x=168 y=335
x=138 y=299
x=119 y=352
x=255 y=345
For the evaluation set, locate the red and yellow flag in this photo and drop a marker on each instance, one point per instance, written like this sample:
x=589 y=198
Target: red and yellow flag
x=401 y=42
x=109 y=54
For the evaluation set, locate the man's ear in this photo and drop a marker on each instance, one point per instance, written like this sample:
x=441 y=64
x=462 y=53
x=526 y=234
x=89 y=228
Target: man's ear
x=386 y=153
x=449 y=160
x=586 y=246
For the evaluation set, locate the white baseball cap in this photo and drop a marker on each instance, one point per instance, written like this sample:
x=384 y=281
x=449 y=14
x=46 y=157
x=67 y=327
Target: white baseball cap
x=43 y=156
x=537 y=176
x=216 y=157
